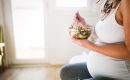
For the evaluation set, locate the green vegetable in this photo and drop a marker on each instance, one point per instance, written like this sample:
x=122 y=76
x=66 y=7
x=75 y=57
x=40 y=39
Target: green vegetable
x=80 y=31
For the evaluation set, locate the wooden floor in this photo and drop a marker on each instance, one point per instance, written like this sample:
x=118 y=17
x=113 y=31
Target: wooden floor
x=32 y=73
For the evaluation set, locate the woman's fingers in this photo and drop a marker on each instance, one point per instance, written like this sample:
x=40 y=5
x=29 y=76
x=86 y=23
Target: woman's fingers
x=77 y=17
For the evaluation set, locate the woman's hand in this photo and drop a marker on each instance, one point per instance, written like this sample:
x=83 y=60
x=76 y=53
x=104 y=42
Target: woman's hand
x=79 y=19
x=83 y=42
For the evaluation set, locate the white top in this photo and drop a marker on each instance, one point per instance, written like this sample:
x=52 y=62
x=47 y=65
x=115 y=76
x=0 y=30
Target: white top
x=108 y=31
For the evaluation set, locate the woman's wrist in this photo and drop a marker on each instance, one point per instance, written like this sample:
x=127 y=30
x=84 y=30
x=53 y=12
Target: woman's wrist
x=90 y=45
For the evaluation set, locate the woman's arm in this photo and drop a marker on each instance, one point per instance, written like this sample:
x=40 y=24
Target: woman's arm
x=126 y=21
x=117 y=50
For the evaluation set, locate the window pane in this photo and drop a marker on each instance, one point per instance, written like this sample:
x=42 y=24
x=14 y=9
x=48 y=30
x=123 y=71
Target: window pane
x=28 y=22
x=71 y=3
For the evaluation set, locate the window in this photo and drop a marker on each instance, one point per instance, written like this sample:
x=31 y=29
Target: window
x=62 y=6
x=71 y=3
x=28 y=23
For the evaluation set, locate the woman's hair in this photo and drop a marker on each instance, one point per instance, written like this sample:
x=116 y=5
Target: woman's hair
x=109 y=5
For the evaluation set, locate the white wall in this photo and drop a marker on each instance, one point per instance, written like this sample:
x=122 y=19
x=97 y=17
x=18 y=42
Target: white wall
x=59 y=47
x=1 y=19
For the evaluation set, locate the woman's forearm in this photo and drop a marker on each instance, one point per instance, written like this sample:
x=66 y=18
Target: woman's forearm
x=113 y=50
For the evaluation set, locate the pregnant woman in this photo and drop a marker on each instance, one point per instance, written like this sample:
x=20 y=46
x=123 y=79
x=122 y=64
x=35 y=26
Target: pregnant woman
x=110 y=55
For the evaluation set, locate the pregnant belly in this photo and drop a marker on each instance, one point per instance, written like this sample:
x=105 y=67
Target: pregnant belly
x=100 y=65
